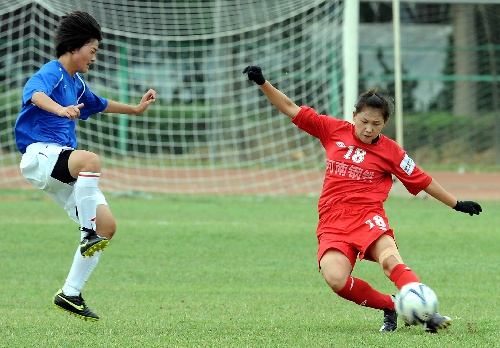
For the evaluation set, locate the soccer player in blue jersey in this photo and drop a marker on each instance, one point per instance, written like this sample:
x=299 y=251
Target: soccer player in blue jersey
x=53 y=99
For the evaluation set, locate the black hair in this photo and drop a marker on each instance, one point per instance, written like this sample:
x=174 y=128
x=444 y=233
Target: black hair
x=375 y=100
x=74 y=31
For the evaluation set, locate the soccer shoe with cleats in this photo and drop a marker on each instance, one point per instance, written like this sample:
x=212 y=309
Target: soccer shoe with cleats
x=75 y=305
x=390 y=321
x=92 y=242
x=437 y=322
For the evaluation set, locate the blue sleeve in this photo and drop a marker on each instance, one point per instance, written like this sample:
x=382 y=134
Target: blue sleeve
x=94 y=104
x=45 y=80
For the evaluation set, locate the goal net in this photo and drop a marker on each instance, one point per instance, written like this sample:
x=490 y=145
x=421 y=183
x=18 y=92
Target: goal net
x=210 y=130
x=213 y=131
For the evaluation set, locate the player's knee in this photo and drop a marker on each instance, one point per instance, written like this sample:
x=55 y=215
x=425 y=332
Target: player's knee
x=335 y=280
x=388 y=259
x=92 y=163
x=86 y=161
x=336 y=269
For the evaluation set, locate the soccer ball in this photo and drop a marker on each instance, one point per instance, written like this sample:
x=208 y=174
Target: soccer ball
x=416 y=303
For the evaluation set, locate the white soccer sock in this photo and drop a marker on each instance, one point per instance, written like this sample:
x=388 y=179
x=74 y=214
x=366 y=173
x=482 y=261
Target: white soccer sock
x=85 y=196
x=80 y=271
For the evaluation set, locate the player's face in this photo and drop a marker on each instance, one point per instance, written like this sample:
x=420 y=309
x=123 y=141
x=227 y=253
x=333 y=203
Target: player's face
x=368 y=124
x=85 y=56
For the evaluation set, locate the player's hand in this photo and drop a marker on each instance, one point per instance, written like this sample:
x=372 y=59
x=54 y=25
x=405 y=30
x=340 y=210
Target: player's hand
x=469 y=207
x=149 y=96
x=255 y=74
x=146 y=100
x=72 y=112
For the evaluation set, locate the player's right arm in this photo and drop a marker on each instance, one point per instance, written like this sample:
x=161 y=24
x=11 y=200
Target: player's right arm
x=280 y=100
x=43 y=101
x=275 y=96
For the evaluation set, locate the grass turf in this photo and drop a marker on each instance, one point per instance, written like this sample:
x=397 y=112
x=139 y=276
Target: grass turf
x=235 y=271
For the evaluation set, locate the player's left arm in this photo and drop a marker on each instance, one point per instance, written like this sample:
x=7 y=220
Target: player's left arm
x=120 y=108
x=438 y=192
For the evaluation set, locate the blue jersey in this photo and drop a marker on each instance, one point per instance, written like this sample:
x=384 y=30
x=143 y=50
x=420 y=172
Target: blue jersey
x=37 y=125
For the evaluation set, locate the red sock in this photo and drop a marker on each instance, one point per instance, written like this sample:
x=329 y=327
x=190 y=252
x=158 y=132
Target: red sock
x=402 y=275
x=361 y=293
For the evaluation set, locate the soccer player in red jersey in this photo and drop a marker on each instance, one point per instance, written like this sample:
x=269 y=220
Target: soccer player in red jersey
x=360 y=163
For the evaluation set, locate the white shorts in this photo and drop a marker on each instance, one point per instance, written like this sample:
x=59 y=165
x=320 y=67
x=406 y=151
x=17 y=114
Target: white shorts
x=37 y=165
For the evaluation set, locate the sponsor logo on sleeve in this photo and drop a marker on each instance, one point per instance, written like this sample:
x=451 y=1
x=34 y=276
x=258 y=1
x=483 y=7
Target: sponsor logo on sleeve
x=407 y=164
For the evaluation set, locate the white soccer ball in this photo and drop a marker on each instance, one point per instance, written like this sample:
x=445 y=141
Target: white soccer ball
x=416 y=303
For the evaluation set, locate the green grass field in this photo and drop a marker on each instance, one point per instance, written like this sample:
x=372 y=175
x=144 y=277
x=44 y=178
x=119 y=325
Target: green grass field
x=191 y=271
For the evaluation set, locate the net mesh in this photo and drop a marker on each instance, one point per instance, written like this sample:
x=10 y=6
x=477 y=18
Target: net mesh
x=212 y=131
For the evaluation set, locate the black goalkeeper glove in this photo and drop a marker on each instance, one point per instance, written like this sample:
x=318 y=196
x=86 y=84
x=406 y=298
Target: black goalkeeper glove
x=469 y=207
x=255 y=74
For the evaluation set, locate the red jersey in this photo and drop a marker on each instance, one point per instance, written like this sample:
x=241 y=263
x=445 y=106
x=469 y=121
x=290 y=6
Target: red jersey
x=358 y=173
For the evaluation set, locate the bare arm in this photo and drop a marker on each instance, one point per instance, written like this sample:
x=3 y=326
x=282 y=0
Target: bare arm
x=120 y=108
x=275 y=96
x=280 y=100
x=436 y=191
x=469 y=207
x=43 y=101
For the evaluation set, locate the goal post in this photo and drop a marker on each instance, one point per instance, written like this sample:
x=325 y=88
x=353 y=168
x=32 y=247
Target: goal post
x=350 y=50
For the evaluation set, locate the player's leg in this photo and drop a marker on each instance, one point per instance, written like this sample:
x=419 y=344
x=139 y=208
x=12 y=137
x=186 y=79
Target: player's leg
x=105 y=221
x=83 y=267
x=53 y=177
x=338 y=257
x=385 y=250
x=337 y=267
x=85 y=167
x=86 y=205
x=69 y=298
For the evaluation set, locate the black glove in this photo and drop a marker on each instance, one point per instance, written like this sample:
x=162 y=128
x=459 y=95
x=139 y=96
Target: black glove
x=255 y=74
x=468 y=207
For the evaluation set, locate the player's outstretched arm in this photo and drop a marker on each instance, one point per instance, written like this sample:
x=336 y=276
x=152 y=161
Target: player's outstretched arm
x=120 y=108
x=436 y=191
x=275 y=96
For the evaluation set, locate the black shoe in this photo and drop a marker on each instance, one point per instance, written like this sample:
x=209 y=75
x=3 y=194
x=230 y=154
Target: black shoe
x=390 y=321
x=437 y=322
x=92 y=242
x=74 y=305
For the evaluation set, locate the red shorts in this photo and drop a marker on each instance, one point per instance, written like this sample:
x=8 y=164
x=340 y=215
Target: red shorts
x=351 y=229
